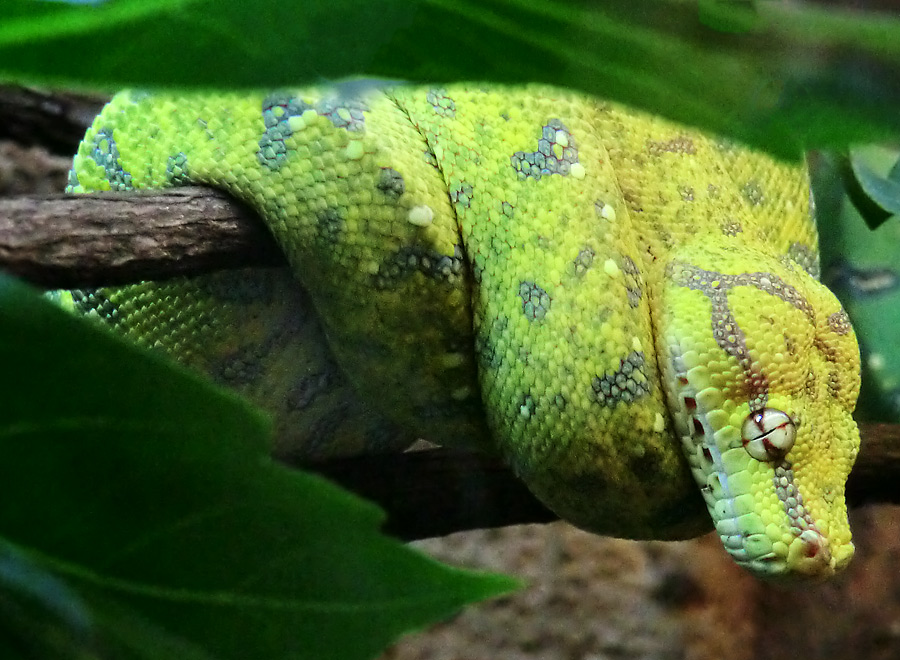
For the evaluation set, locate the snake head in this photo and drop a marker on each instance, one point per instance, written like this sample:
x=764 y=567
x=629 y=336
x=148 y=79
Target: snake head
x=761 y=368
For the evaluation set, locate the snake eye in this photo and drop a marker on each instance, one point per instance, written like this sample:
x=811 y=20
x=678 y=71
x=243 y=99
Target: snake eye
x=768 y=434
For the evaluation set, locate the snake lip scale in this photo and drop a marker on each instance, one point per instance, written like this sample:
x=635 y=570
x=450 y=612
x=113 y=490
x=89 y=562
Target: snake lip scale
x=698 y=440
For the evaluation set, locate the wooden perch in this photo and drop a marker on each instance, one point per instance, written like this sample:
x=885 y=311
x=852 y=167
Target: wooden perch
x=56 y=120
x=71 y=241
x=441 y=491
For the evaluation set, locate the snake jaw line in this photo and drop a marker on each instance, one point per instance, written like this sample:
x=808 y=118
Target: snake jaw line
x=784 y=543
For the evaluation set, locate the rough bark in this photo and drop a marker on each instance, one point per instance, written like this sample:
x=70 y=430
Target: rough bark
x=63 y=241
x=56 y=120
x=437 y=492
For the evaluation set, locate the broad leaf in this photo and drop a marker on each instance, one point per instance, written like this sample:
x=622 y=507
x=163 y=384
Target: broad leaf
x=875 y=172
x=150 y=493
x=770 y=73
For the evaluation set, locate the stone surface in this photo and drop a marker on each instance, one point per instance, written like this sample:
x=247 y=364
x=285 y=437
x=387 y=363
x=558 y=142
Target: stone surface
x=594 y=598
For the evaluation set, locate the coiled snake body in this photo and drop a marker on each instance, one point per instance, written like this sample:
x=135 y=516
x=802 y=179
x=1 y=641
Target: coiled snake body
x=593 y=292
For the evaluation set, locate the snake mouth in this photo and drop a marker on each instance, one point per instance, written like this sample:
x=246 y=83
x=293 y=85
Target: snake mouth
x=809 y=554
x=784 y=545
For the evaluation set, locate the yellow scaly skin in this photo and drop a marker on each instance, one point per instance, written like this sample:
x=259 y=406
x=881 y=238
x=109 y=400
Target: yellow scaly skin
x=583 y=288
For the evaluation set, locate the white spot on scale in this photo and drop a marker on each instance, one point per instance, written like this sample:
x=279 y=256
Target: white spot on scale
x=611 y=268
x=354 y=150
x=577 y=171
x=659 y=423
x=420 y=216
x=607 y=212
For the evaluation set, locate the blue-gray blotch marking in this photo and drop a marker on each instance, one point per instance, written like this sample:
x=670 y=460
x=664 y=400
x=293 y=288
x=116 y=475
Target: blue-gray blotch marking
x=805 y=257
x=752 y=192
x=535 y=301
x=311 y=386
x=106 y=155
x=72 y=182
x=486 y=346
x=634 y=283
x=462 y=195
x=391 y=183
x=330 y=225
x=527 y=406
x=443 y=105
x=277 y=110
x=347 y=114
x=430 y=158
x=627 y=383
x=731 y=227
x=177 y=169
x=242 y=367
x=583 y=261
x=544 y=161
x=411 y=259
x=680 y=144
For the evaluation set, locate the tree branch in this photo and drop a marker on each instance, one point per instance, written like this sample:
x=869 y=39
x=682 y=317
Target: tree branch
x=56 y=120
x=72 y=241
x=435 y=492
x=441 y=491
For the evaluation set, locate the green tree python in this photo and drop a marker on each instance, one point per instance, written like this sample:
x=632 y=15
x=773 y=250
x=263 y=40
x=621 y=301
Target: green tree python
x=616 y=304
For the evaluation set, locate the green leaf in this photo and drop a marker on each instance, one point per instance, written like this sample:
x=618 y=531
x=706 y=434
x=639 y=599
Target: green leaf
x=781 y=75
x=150 y=492
x=875 y=171
x=40 y=617
x=860 y=266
